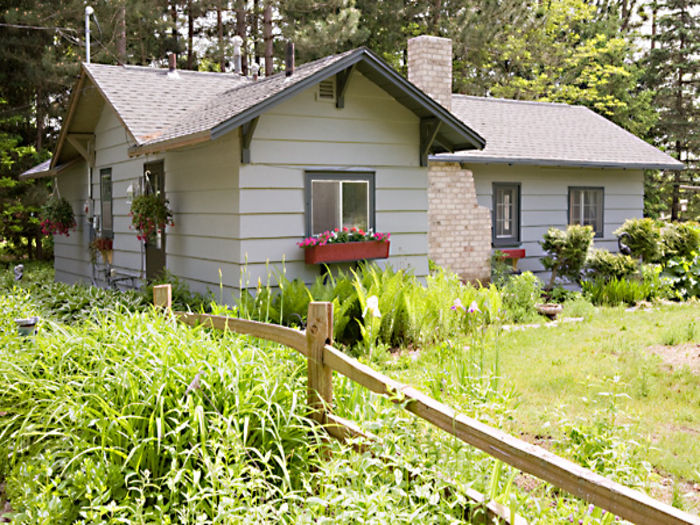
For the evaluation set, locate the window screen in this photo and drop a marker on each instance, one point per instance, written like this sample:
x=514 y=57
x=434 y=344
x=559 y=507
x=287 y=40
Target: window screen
x=338 y=201
x=106 y=201
x=586 y=208
x=506 y=214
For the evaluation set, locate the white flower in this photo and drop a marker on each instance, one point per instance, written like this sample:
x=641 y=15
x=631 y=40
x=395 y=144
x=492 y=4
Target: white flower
x=473 y=308
x=457 y=305
x=372 y=306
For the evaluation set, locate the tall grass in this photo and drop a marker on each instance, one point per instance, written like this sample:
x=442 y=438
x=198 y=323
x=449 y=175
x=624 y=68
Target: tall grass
x=131 y=418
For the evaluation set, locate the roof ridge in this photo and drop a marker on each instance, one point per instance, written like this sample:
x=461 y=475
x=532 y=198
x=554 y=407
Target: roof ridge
x=153 y=69
x=275 y=76
x=516 y=101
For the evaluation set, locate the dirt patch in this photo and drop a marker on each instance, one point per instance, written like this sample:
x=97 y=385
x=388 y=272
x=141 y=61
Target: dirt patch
x=676 y=357
x=689 y=491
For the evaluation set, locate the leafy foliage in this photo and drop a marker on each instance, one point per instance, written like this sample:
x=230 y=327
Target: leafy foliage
x=643 y=238
x=680 y=239
x=57 y=217
x=411 y=313
x=520 y=295
x=606 y=265
x=683 y=274
x=614 y=291
x=566 y=251
x=150 y=215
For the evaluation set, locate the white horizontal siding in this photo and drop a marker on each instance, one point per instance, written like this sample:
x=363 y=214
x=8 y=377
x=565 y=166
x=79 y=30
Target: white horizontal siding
x=544 y=200
x=373 y=132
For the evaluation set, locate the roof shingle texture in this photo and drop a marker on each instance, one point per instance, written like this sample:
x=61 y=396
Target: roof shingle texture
x=150 y=101
x=232 y=102
x=550 y=133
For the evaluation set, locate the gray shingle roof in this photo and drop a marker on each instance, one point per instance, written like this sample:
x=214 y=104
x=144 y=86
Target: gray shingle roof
x=158 y=108
x=233 y=101
x=538 y=133
x=150 y=101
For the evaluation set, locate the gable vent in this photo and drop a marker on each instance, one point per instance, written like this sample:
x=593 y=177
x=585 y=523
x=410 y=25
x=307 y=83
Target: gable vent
x=326 y=89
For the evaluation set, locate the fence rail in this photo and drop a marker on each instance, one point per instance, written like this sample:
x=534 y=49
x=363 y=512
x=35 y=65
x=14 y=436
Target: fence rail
x=315 y=343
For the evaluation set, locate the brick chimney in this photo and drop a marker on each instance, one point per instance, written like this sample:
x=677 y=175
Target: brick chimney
x=430 y=67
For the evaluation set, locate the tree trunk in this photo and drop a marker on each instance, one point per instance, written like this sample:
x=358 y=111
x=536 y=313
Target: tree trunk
x=653 y=26
x=220 y=37
x=39 y=120
x=254 y=31
x=267 y=36
x=241 y=31
x=121 y=29
x=173 y=17
x=190 y=36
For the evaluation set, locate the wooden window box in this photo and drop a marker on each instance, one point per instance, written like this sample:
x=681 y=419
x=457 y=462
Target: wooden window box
x=346 y=251
x=514 y=255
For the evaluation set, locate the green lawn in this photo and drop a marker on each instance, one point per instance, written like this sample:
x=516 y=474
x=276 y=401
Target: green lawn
x=596 y=374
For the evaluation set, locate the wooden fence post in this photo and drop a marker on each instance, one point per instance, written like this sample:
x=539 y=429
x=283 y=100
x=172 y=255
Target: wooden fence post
x=319 y=332
x=163 y=296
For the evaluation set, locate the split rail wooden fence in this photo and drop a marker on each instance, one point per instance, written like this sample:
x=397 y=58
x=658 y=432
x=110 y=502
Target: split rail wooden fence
x=315 y=343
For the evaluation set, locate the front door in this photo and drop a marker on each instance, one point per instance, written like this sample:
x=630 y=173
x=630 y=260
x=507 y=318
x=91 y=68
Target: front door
x=154 y=182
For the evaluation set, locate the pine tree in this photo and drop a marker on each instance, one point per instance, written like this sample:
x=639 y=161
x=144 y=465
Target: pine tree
x=673 y=69
x=319 y=28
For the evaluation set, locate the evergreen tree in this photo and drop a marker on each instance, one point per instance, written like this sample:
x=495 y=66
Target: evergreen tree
x=673 y=71
x=319 y=28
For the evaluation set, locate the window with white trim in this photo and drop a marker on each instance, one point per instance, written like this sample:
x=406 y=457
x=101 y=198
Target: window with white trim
x=338 y=200
x=506 y=214
x=586 y=208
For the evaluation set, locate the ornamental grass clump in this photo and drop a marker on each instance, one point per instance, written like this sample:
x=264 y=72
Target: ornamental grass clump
x=150 y=215
x=57 y=217
x=338 y=236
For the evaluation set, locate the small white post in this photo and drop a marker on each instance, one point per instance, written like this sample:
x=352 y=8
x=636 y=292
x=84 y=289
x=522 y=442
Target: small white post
x=88 y=12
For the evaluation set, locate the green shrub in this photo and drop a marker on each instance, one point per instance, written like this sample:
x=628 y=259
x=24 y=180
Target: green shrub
x=683 y=276
x=566 y=251
x=520 y=295
x=606 y=265
x=612 y=292
x=501 y=270
x=680 y=239
x=643 y=238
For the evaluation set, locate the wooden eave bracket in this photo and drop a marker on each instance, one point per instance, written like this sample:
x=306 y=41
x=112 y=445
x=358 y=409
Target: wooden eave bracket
x=84 y=143
x=247 y=131
x=342 y=79
x=429 y=128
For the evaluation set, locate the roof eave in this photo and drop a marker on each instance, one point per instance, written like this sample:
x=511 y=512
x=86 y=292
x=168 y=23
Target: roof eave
x=679 y=166
x=180 y=142
x=51 y=172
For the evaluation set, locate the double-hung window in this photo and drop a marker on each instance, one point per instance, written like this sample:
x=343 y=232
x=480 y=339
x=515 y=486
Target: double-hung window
x=338 y=200
x=506 y=214
x=586 y=208
x=106 y=201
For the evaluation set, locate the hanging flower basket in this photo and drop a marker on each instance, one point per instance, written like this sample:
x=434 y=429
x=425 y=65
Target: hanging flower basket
x=348 y=244
x=57 y=217
x=149 y=216
x=104 y=246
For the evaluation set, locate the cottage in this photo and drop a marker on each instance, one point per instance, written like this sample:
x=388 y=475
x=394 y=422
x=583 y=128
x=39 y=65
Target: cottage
x=544 y=165
x=249 y=167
